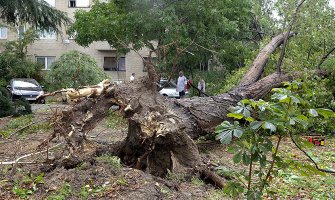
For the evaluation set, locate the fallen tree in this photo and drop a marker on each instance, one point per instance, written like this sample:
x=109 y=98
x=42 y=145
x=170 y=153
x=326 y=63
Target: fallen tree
x=161 y=131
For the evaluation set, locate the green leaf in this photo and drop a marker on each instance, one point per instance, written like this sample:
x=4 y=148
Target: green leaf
x=237 y=157
x=237 y=109
x=233 y=149
x=269 y=126
x=281 y=97
x=225 y=131
x=326 y=113
x=246 y=101
x=292 y=121
x=295 y=99
x=250 y=195
x=246 y=159
x=302 y=118
x=225 y=137
x=254 y=148
x=223 y=126
x=237 y=133
x=246 y=112
x=235 y=115
x=255 y=125
x=250 y=119
x=268 y=145
x=262 y=160
x=246 y=144
x=314 y=170
x=313 y=112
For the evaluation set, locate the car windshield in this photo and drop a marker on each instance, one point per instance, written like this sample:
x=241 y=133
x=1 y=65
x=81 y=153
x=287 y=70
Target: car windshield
x=166 y=84
x=29 y=84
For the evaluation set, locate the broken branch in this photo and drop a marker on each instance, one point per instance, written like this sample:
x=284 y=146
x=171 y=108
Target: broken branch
x=27 y=155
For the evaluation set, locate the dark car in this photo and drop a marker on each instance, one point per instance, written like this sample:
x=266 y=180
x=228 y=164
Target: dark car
x=26 y=88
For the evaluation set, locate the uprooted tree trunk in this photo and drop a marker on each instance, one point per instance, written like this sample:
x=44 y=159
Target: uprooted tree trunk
x=161 y=131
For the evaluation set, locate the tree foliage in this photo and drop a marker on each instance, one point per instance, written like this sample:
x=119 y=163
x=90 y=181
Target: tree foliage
x=289 y=113
x=14 y=62
x=172 y=29
x=74 y=69
x=38 y=13
x=314 y=37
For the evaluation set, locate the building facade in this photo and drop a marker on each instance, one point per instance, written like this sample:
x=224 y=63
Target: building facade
x=50 y=46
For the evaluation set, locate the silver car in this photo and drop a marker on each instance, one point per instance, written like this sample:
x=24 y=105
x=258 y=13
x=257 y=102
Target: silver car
x=26 y=88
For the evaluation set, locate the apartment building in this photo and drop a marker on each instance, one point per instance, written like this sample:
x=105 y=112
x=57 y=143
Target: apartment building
x=50 y=46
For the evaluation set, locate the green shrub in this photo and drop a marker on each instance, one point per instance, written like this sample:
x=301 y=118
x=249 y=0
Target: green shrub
x=16 y=108
x=6 y=105
x=74 y=69
x=22 y=107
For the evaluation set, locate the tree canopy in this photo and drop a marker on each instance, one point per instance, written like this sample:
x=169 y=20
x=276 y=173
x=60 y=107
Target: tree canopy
x=172 y=29
x=38 y=13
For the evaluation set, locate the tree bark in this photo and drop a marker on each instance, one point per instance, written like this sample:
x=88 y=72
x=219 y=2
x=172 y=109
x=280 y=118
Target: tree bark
x=161 y=131
x=257 y=67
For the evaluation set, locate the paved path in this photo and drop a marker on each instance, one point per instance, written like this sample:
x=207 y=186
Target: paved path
x=37 y=108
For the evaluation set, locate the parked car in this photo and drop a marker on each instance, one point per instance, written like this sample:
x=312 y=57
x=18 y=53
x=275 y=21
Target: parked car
x=169 y=89
x=26 y=88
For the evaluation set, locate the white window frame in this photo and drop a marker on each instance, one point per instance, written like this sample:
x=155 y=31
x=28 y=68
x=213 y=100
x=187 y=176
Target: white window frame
x=46 y=67
x=47 y=34
x=5 y=36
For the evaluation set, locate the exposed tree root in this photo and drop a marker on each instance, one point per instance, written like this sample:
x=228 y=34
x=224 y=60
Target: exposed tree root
x=212 y=178
x=161 y=131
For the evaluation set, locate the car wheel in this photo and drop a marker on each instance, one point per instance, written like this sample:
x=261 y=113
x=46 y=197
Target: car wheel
x=41 y=101
x=165 y=95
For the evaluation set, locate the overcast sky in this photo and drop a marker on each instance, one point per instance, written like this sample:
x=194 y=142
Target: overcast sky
x=332 y=3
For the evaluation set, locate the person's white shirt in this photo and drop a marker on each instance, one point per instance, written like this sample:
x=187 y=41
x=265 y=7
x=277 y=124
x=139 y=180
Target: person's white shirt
x=202 y=86
x=132 y=78
x=182 y=81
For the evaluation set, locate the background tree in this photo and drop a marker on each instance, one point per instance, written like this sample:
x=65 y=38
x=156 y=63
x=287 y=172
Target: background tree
x=74 y=69
x=315 y=34
x=14 y=61
x=37 y=13
x=180 y=33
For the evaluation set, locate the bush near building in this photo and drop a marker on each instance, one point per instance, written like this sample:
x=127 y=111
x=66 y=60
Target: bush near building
x=74 y=69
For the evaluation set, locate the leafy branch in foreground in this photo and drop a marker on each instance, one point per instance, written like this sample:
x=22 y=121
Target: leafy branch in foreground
x=286 y=115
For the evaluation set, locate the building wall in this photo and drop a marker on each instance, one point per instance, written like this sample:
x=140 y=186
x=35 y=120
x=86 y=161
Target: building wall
x=98 y=50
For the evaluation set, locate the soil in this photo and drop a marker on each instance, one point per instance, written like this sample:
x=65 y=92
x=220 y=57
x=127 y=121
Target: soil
x=102 y=177
x=96 y=179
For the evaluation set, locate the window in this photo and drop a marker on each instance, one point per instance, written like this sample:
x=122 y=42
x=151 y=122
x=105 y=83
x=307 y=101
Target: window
x=20 y=31
x=3 y=33
x=46 y=61
x=72 y=3
x=46 y=34
x=112 y=64
x=79 y=3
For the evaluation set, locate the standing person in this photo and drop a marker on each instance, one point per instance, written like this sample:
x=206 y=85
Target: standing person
x=201 y=87
x=132 y=77
x=181 y=84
